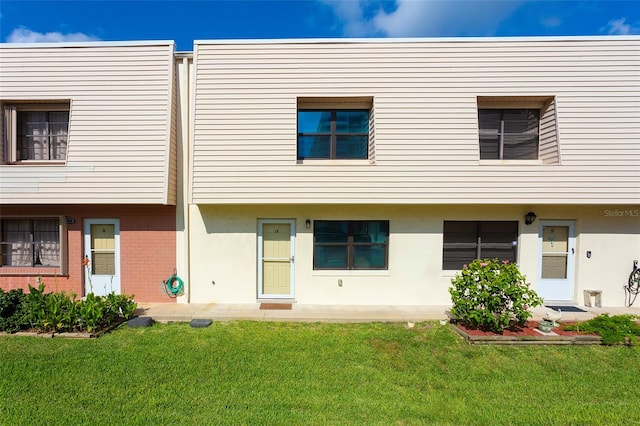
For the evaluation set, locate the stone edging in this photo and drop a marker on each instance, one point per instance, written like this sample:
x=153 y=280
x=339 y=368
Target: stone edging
x=68 y=335
x=529 y=340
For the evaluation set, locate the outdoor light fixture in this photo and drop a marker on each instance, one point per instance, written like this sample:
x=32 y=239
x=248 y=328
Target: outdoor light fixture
x=530 y=218
x=307 y=223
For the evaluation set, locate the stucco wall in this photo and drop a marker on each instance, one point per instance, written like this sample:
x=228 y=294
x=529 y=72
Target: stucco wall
x=224 y=252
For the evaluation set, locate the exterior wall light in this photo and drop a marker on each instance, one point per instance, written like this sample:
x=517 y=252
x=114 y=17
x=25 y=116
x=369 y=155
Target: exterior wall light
x=530 y=218
x=307 y=223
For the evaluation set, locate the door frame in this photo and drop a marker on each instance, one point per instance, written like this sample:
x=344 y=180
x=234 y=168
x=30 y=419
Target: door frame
x=571 y=249
x=115 y=283
x=292 y=248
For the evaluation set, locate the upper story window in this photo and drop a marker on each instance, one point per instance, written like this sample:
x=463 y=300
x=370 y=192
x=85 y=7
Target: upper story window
x=334 y=134
x=521 y=128
x=335 y=129
x=509 y=134
x=36 y=132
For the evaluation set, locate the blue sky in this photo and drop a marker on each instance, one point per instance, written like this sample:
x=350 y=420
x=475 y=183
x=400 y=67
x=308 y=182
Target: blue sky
x=185 y=21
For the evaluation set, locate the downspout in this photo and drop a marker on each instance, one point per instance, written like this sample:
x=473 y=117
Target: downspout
x=183 y=70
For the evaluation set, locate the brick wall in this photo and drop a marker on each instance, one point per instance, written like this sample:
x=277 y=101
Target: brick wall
x=147 y=249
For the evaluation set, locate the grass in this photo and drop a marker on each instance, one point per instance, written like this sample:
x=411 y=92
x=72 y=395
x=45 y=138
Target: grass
x=299 y=373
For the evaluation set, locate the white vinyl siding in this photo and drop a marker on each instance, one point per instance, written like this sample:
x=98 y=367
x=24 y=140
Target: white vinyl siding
x=425 y=95
x=120 y=124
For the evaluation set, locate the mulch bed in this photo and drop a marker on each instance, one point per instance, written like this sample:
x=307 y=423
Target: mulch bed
x=527 y=334
x=529 y=329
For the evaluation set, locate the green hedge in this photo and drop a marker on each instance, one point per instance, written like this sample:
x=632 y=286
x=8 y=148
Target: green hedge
x=616 y=329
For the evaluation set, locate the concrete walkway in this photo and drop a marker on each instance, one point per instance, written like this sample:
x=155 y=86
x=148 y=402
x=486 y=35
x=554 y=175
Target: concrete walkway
x=177 y=312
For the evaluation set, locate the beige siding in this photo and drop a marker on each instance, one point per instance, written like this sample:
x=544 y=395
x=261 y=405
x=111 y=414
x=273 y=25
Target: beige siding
x=426 y=132
x=549 y=150
x=172 y=158
x=120 y=132
x=2 y=134
x=372 y=135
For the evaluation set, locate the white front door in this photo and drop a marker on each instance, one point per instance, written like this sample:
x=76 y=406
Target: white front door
x=556 y=247
x=276 y=248
x=102 y=249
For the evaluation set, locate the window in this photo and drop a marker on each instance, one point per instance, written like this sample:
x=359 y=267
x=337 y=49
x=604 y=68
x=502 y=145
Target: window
x=360 y=244
x=36 y=132
x=336 y=129
x=465 y=241
x=509 y=134
x=334 y=134
x=519 y=128
x=31 y=242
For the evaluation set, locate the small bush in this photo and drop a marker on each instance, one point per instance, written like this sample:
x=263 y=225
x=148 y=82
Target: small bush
x=613 y=329
x=11 y=312
x=489 y=294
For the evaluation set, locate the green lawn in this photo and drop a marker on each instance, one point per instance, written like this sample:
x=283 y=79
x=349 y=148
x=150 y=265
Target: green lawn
x=299 y=373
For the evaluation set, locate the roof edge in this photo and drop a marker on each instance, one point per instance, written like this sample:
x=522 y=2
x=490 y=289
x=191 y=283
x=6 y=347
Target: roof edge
x=345 y=40
x=91 y=44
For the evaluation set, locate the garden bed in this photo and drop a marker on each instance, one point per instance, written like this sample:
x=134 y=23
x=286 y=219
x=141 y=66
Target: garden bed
x=527 y=335
x=67 y=334
x=43 y=314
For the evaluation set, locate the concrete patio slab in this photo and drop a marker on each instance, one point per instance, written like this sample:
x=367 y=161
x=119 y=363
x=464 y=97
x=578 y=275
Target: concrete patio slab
x=176 y=312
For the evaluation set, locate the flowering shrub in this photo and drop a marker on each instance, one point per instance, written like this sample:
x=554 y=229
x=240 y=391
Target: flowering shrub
x=489 y=294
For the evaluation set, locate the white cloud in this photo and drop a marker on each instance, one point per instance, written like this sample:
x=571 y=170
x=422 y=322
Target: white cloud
x=551 y=22
x=351 y=14
x=25 y=35
x=619 y=27
x=427 y=18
